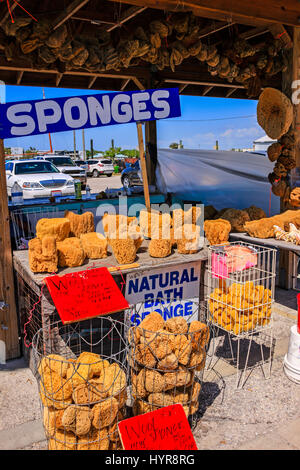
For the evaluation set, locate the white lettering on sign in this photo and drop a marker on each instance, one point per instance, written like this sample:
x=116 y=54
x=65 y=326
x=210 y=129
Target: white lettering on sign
x=73 y=104
x=98 y=110
x=121 y=112
x=170 y=291
x=160 y=103
x=12 y=115
x=44 y=119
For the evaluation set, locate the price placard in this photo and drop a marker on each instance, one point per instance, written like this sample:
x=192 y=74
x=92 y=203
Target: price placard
x=85 y=294
x=163 y=429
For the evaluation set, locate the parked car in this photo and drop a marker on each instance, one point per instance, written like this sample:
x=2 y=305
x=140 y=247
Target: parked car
x=38 y=178
x=66 y=165
x=131 y=175
x=100 y=166
x=83 y=164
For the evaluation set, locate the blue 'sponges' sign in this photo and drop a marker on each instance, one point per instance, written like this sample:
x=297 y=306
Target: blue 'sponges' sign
x=25 y=118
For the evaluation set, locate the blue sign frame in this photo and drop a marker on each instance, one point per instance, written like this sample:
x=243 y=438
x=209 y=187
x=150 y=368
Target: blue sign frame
x=26 y=118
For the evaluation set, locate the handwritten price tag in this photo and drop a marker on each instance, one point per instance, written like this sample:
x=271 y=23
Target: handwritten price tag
x=163 y=429
x=85 y=294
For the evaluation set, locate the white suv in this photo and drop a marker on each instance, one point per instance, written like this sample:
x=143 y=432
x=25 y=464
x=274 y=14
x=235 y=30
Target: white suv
x=100 y=166
x=38 y=178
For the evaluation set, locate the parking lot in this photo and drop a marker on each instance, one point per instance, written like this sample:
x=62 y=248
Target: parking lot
x=100 y=184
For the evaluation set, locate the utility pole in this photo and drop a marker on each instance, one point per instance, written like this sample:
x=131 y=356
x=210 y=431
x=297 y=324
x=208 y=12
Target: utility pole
x=92 y=148
x=74 y=136
x=83 y=145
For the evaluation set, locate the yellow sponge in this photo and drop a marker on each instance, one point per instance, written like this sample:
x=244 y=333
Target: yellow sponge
x=43 y=255
x=58 y=228
x=94 y=245
x=80 y=223
x=70 y=253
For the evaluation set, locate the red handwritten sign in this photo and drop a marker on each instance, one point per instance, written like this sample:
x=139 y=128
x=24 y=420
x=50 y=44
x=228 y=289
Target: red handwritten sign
x=163 y=429
x=85 y=294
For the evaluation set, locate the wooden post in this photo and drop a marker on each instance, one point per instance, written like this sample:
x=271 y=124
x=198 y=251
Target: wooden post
x=151 y=149
x=8 y=315
x=143 y=164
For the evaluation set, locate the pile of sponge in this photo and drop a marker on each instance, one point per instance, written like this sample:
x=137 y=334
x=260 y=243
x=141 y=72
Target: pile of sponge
x=164 y=357
x=83 y=400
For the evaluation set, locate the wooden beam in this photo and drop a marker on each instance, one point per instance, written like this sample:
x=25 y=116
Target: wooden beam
x=92 y=17
x=124 y=84
x=182 y=87
x=92 y=81
x=19 y=77
x=59 y=76
x=209 y=84
x=70 y=10
x=279 y=32
x=230 y=92
x=143 y=165
x=138 y=83
x=214 y=28
x=207 y=90
x=251 y=12
x=254 y=32
x=128 y=15
x=8 y=316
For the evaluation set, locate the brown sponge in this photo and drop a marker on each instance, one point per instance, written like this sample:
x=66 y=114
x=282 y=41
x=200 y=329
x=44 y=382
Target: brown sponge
x=112 y=222
x=237 y=219
x=217 y=231
x=187 y=238
x=43 y=255
x=58 y=228
x=70 y=253
x=94 y=245
x=80 y=223
x=264 y=228
x=104 y=413
x=77 y=419
x=124 y=249
x=160 y=248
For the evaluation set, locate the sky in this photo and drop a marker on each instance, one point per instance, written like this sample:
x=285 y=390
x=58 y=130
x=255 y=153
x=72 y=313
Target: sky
x=203 y=121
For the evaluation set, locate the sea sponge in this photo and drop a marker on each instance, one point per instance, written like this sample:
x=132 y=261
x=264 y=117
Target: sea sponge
x=209 y=212
x=237 y=219
x=160 y=399
x=56 y=363
x=152 y=322
x=197 y=360
x=56 y=404
x=54 y=386
x=140 y=407
x=255 y=213
x=77 y=419
x=264 y=228
x=94 y=245
x=160 y=248
x=97 y=363
x=155 y=224
x=80 y=223
x=124 y=250
x=113 y=380
x=138 y=384
x=78 y=373
x=187 y=238
x=87 y=393
x=96 y=439
x=135 y=233
x=176 y=325
x=274 y=112
x=57 y=228
x=176 y=379
x=160 y=343
x=198 y=334
x=112 y=222
x=52 y=420
x=43 y=255
x=144 y=356
x=113 y=428
x=62 y=440
x=217 y=231
x=104 y=413
x=195 y=391
x=182 y=349
x=154 y=381
x=274 y=151
x=70 y=253
x=169 y=362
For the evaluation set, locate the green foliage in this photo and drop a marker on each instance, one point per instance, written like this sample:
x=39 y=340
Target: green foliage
x=174 y=145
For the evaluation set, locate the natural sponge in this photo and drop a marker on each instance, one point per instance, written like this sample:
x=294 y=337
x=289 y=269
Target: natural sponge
x=124 y=249
x=94 y=245
x=160 y=248
x=70 y=253
x=217 y=231
x=80 y=223
x=77 y=419
x=274 y=112
x=58 y=228
x=237 y=219
x=43 y=255
x=187 y=238
x=112 y=222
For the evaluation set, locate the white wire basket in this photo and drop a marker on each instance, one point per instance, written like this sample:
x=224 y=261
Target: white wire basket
x=241 y=287
x=82 y=378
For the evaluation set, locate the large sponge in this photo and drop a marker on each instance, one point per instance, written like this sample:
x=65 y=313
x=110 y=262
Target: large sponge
x=43 y=255
x=94 y=245
x=58 y=228
x=80 y=223
x=70 y=253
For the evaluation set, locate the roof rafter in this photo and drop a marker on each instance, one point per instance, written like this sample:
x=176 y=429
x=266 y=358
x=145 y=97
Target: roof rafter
x=68 y=12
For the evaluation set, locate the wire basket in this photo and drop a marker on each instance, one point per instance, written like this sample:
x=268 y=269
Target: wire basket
x=166 y=359
x=241 y=285
x=82 y=378
x=23 y=223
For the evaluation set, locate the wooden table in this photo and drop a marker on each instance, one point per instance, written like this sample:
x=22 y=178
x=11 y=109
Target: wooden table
x=47 y=313
x=288 y=276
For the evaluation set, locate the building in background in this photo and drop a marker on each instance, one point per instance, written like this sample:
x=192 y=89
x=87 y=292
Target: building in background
x=262 y=143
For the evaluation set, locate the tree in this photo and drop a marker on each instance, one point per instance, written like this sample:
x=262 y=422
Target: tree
x=112 y=152
x=174 y=145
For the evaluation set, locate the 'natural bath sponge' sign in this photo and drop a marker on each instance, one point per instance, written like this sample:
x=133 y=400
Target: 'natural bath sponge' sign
x=163 y=429
x=85 y=294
